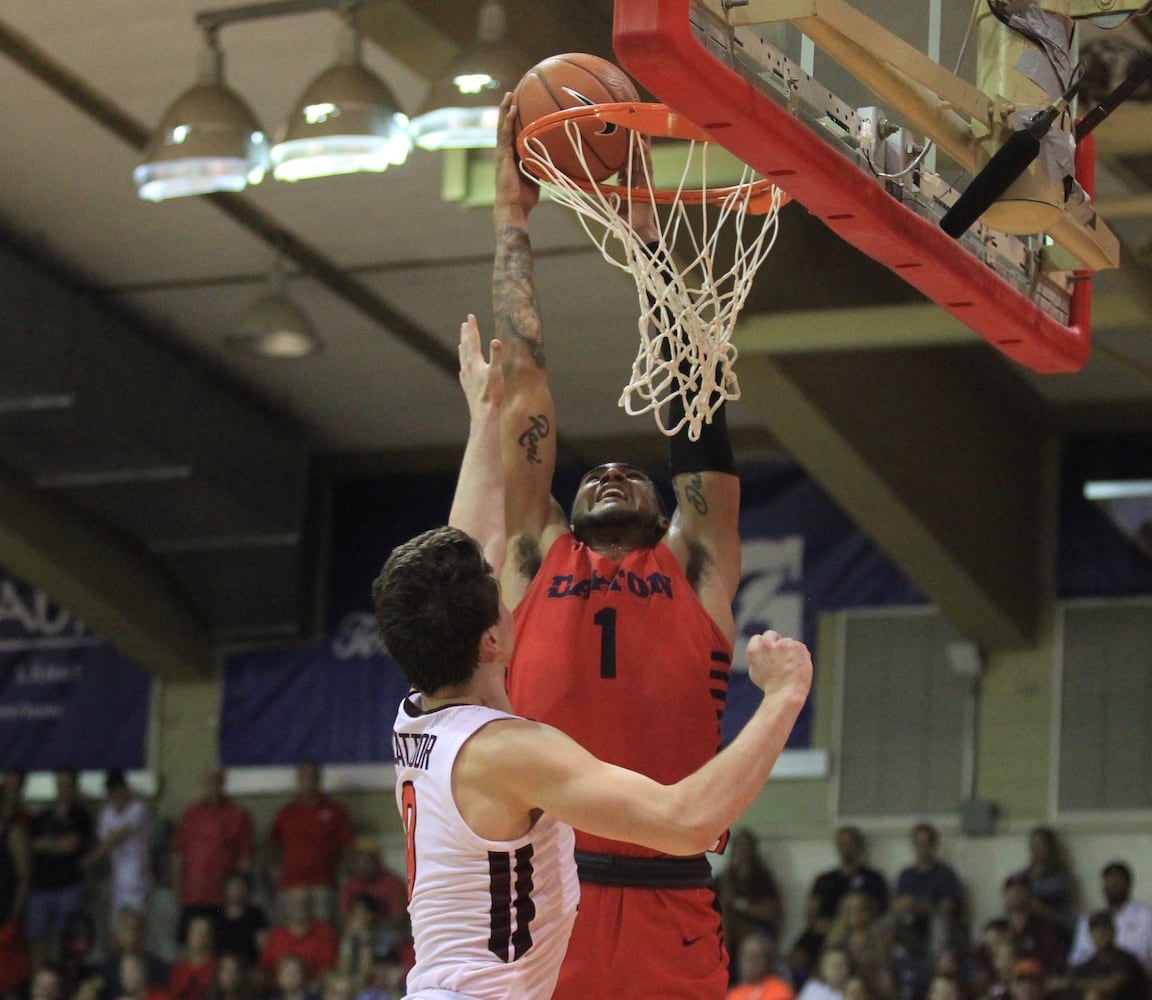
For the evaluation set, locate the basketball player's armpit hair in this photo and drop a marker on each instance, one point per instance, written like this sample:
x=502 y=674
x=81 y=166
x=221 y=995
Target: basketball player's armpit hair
x=697 y=566
x=527 y=557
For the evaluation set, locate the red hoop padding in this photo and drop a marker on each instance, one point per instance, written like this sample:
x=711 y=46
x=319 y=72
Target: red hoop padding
x=654 y=43
x=648 y=119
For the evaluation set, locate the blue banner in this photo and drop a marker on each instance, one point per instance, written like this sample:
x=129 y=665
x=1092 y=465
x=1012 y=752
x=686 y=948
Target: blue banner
x=335 y=702
x=802 y=556
x=67 y=699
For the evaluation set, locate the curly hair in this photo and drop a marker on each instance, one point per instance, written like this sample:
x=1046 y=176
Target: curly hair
x=434 y=598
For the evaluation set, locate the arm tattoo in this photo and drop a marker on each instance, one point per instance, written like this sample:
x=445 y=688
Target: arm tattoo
x=694 y=494
x=538 y=427
x=514 y=292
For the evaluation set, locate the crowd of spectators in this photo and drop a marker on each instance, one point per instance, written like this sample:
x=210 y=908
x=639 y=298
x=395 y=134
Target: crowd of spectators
x=321 y=917
x=318 y=918
x=862 y=941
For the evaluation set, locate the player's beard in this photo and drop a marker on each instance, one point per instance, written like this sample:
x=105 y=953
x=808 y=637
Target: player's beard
x=618 y=525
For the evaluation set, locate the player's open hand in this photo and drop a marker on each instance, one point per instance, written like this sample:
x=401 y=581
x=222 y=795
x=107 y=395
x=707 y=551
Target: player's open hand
x=513 y=188
x=638 y=210
x=778 y=665
x=483 y=381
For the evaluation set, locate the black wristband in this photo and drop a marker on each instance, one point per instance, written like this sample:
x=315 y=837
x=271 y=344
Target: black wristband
x=710 y=452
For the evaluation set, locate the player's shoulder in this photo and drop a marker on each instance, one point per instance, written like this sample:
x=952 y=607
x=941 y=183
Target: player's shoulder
x=501 y=743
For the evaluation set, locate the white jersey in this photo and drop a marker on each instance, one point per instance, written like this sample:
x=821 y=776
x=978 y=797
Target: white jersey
x=490 y=919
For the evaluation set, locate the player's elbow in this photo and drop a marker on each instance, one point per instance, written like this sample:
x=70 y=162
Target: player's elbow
x=689 y=829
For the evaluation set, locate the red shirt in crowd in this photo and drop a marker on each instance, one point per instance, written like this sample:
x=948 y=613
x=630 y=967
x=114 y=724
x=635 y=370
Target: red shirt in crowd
x=387 y=889
x=318 y=946
x=191 y=981
x=212 y=838
x=312 y=837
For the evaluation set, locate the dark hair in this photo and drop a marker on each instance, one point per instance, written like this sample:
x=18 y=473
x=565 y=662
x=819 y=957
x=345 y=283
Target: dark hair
x=1018 y=878
x=370 y=903
x=1117 y=868
x=435 y=598
x=114 y=779
x=929 y=829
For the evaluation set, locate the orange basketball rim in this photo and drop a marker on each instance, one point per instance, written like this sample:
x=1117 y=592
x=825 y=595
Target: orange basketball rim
x=657 y=120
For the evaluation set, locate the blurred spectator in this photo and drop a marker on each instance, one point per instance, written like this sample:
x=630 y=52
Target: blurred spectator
x=757 y=977
x=1132 y=920
x=15 y=879
x=242 y=926
x=1053 y=888
x=77 y=951
x=61 y=836
x=338 y=986
x=46 y=984
x=133 y=982
x=213 y=838
x=12 y=806
x=993 y=961
x=291 y=980
x=1111 y=973
x=852 y=873
x=129 y=939
x=309 y=838
x=857 y=988
x=1027 y=980
x=944 y=988
x=362 y=938
x=749 y=897
x=233 y=979
x=1034 y=934
x=867 y=940
x=124 y=830
x=301 y=934
x=830 y=977
x=191 y=977
x=386 y=981
x=929 y=899
x=805 y=951
x=369 y=877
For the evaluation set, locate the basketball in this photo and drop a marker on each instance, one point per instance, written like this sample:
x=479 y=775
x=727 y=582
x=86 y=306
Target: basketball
x=568 y=81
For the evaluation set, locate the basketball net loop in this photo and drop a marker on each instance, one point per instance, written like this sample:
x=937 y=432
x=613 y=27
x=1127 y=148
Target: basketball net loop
x=688 y=308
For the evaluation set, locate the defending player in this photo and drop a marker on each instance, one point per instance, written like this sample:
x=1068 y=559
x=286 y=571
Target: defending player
x=487 y=798
x=622 y=607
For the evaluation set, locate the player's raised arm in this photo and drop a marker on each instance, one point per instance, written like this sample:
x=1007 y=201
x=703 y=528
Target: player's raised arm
x=528 y=425
x=555 y=774
x=478 y=504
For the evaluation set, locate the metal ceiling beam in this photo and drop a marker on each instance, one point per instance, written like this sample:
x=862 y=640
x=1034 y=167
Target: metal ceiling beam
x=115 y=589
x=953 y=482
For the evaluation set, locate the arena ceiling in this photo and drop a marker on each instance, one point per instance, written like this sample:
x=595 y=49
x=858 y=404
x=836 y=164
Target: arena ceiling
x=171 y=488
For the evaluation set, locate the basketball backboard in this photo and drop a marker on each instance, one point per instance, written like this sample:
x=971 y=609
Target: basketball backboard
x=837 y=107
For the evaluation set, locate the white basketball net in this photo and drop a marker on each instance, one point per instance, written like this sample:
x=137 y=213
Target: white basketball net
x=688 y=309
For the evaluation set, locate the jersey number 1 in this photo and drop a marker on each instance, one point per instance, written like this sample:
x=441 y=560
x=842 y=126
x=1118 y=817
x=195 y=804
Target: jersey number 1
x=606 y=619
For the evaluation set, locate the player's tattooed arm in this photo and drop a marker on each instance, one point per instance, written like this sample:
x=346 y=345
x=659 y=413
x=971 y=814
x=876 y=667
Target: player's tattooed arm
x=691 y=492
x=517 y=314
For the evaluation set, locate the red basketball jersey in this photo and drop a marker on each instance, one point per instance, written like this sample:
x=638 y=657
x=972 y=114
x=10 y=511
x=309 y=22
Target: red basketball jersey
x=622 y=657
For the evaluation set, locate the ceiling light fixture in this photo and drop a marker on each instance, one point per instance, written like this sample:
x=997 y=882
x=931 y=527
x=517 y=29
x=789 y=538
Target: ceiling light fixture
x=346 y=121
x=274 y=326
x=1117 y=489
x=463 y=106
x=208 y=140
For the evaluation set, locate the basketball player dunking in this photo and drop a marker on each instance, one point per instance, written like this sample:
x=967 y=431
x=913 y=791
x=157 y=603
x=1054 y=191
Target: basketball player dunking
x=488 y=800
x=624 y=633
